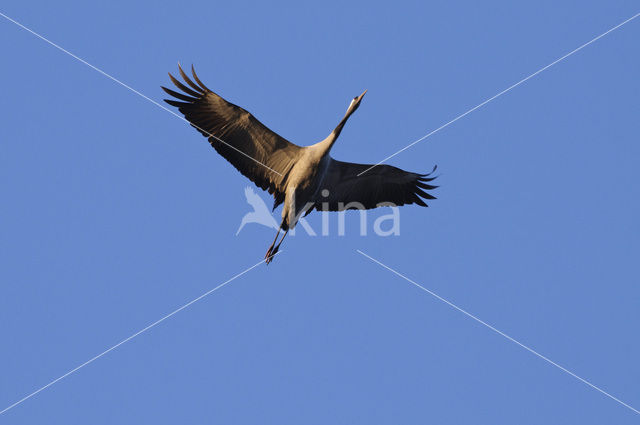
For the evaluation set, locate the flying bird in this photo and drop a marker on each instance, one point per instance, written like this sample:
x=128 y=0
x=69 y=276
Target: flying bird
x=303 y=178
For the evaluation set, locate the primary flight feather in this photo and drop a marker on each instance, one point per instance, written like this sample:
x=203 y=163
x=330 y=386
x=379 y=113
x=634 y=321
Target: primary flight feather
x=302 y=177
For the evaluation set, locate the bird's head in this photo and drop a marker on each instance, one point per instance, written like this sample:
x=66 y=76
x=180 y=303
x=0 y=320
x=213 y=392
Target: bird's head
x=352 y=108
x=355 y=103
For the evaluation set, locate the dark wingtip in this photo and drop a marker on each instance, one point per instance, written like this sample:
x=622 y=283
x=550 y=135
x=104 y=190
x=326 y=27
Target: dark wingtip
x=424 y=194
x=420 y=202
x=178 y=95
x=195 y=77
x=193 y=85
x=175 y=103
x=426 y=186
x=421 y=186
x=184 y=88
x=435 y=167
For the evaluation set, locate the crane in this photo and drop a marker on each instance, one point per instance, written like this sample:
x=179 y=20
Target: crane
x=303 y=178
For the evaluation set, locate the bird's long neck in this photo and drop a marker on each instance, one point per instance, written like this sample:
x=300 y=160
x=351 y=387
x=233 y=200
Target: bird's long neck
x=327 y=143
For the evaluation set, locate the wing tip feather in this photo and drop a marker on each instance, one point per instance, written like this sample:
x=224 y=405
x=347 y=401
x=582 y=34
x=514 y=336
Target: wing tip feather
x=186 y=78
x=195 y=77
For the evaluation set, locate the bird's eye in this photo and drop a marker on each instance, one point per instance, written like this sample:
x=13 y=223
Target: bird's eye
x=355 y=98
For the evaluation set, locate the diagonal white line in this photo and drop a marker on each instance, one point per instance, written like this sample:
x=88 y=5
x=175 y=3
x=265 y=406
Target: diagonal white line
x=531 y=350
x=129 y=338
x=133 y=90
x=502 y=92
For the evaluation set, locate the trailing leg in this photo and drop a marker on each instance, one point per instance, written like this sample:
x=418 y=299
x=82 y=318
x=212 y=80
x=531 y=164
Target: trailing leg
x=270 y=252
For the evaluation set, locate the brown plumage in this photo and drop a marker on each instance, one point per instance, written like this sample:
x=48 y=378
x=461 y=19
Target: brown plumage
x=303 y=178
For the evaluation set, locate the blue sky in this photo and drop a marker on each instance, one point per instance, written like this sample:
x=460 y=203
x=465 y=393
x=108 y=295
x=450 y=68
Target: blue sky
x=114 y=213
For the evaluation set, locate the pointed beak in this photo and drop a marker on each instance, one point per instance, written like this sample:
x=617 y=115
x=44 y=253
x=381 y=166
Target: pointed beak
x=362 y=95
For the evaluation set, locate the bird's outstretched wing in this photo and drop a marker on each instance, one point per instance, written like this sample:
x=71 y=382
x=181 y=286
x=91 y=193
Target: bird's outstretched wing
x=380 y=185
x=254 y=150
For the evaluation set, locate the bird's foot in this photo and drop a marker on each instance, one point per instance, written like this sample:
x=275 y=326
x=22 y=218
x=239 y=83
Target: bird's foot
x=271 y=253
